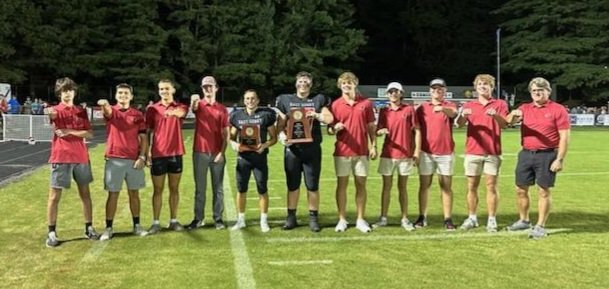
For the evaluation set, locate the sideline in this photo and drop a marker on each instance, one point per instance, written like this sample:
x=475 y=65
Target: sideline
x=243 y=268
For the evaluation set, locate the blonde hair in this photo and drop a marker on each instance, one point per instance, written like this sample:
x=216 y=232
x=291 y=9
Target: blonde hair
x=540 y=82
x=486 y=78
x=346 y=77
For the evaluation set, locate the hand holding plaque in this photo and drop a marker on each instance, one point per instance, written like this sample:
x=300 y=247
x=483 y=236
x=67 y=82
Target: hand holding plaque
x=249 y=138
x=299 y=127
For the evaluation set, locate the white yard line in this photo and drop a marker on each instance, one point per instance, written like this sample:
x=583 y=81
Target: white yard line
x=270 y=198
x=440 y=236
x=302 y=262
x=243 y=268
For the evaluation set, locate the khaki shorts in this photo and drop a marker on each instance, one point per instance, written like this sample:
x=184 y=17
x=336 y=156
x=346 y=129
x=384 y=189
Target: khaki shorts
x=388 y=166
x=119 y=170
x=442 y=164
x=475 y=165
x=344 y=166
x=62 y=174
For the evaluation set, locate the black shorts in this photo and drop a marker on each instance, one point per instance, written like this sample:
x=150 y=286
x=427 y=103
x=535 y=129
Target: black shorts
x=248 y=162
x=299 y=159
x=534 y=166
x=164 y=165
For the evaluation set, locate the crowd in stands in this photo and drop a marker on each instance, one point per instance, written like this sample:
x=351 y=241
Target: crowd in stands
x=12 y=105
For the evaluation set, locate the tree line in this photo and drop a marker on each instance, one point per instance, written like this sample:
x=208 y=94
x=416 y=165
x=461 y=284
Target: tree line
x=263 y=44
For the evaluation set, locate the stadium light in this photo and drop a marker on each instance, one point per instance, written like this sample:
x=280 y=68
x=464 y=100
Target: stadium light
x=499 y=63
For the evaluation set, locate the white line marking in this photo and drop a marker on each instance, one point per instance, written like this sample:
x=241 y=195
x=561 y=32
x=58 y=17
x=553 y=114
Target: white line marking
x=305 y=262
x=441 y=236
x=243 y=268
x=95 y=251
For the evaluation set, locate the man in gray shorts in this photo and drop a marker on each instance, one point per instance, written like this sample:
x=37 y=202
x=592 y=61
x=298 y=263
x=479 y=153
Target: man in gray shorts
x=69 y=157
x=125 y=158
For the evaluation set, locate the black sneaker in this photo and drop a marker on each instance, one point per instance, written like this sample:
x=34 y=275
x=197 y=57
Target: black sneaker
x=420 y=222
x=313 y=224
x=194 y=224
x=290 y=222
x=448 y=225
x=219 y=224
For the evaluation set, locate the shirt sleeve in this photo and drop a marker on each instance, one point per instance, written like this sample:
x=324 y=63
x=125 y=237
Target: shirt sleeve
x=562 y=119
x=150 y=116
x=382 y=123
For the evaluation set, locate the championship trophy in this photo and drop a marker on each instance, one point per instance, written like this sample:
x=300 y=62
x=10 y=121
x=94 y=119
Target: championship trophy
x=249 y=139
x=299 y=127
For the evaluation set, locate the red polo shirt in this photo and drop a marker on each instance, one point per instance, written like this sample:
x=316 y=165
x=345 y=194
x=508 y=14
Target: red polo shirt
x=483 y=132
x=211 y=119
x=400 y=122
x=540 y=125
x=436 y=129
x=167 y=131
x=353 y=139
x=69 y=149
x=122 y=129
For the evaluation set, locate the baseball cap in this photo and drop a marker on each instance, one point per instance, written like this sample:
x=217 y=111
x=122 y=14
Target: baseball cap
x=395 y=85
x=208 y=80
x=437 y=81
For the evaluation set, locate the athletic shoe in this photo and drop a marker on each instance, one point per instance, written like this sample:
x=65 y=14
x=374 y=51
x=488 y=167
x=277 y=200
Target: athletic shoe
x=155 y=228
x=407 y=225
x=313 y=224
x=363 y=226
x=420 y=222
x=290 y=222
x=175 y=226
x=239 y=225
x=468 y=224
x=519 y=226
x=382 y=222
x=538 y=232
x=264 y=227
x=107 y=235
x=448 y=225
x=219 y=225
x=341 y=226
x=52 y=240
x=91 y=234
x=139 y=230
x=195 y=224
x=491 y=226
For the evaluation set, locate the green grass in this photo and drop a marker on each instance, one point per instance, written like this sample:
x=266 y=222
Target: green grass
x=574 y=257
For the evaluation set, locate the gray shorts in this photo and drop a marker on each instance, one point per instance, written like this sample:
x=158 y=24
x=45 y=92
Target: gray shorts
x=61 y=175
x=119 y=170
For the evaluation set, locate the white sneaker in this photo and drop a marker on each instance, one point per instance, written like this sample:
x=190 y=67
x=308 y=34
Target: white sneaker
x=264 y=227
x=139 y=230
x=382 y=222
x=107 y=235
x=239 y=225
x=491 y=226
x=363 y=226
x=407 y=225
x=341 y=226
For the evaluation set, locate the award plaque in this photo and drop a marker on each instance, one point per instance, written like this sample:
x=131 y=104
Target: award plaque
x=249 y=138
x=299 y=127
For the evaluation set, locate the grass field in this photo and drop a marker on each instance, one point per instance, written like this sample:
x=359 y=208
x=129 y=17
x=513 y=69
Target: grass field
x=574 y=256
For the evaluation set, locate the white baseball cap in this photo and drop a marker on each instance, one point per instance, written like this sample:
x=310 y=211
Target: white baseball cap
x=395 y=85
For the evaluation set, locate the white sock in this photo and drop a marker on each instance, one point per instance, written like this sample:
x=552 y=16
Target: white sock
x=492 y=219
x=156 y=222
x=473 y=217
x=263 y=217
x=241 y=217
x=173 y=221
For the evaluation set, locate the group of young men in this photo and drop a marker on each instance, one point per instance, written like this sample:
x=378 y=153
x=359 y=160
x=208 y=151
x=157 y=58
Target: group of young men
x=418 y=136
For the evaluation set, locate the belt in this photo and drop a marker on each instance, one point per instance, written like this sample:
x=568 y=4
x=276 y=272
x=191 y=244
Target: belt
x=540 y=151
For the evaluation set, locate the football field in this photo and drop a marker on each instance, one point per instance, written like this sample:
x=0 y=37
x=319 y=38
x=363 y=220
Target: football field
x=575 y=255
